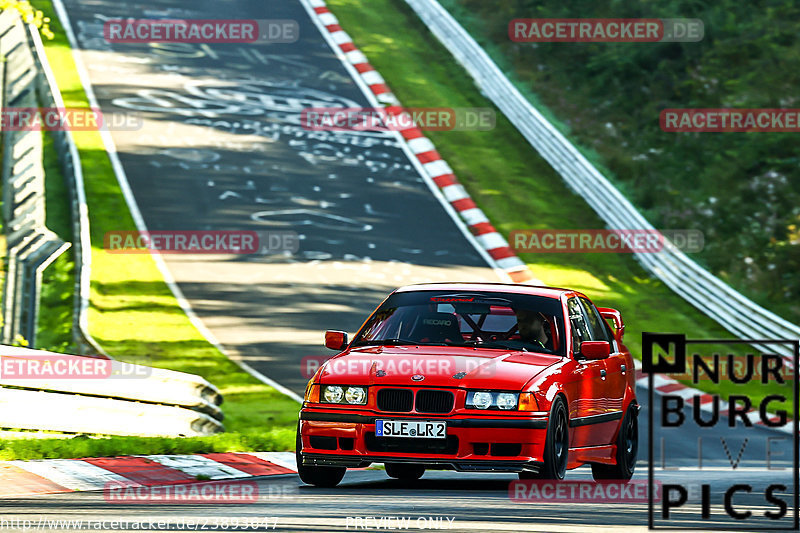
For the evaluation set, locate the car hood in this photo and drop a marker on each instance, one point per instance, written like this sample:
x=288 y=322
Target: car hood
x=438 y=367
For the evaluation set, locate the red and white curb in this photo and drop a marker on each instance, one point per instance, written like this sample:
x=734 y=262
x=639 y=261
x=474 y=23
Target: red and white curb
x=486 y=236
x=51 y=476
x=663 y=385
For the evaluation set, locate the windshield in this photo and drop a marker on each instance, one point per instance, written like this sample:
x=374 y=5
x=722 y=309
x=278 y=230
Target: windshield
x=493 y=320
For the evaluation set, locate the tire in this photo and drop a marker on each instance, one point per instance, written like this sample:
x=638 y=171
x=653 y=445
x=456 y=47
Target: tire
x=319 y=476
x=404 y=472
x=556 y=445
x=627 y=450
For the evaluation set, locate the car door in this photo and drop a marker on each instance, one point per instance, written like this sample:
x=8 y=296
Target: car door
x=609 y=404
x=587 y=404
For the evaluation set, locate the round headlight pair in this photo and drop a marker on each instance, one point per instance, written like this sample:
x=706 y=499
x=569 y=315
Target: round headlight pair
x=505 y=401
x=352 y=395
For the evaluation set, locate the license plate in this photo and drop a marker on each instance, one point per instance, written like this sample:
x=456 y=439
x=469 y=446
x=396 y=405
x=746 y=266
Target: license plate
x=421 y=429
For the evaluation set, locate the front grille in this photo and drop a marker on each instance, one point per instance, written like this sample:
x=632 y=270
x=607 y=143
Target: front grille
x=396 y=400
x=434 y=401
x=448 y=446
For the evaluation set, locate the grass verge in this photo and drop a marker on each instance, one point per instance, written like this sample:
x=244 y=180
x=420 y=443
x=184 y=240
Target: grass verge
x=510 y=182
x=273 y=439
x=54 y=331
x=136 y=318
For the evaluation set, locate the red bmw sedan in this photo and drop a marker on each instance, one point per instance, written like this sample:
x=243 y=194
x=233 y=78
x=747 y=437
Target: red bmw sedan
x=474 y=377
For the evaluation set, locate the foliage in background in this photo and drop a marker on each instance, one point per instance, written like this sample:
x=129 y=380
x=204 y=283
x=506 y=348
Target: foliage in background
x=511 y=183
x=741 y=189
x=30 y=15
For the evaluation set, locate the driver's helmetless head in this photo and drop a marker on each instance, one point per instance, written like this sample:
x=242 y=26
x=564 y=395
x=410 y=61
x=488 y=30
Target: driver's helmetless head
x=531 y=325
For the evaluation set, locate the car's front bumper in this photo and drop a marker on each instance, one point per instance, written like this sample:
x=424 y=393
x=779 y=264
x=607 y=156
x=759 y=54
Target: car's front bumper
x=492 y=443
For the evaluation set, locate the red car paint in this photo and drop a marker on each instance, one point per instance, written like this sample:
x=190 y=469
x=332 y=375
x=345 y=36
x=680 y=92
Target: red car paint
x=597 y=393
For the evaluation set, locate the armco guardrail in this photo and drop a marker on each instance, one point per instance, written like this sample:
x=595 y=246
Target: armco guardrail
x=736 y=313
x=72 y=394
x=70 y=162
x=28 y=82
x=31 y=247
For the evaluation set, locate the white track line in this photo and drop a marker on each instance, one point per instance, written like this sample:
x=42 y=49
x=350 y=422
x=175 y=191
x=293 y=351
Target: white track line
x=122 y=178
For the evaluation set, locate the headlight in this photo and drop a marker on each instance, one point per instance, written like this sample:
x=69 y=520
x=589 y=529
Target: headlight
x=356 y=395
x=333 y=394
x=505 y=401
x=479 y=400
x=344 y=394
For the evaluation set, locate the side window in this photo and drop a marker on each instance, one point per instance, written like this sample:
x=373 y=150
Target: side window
x=580 y=328
x=597 y=325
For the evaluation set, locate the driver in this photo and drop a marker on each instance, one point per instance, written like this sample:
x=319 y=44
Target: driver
x=531 y=327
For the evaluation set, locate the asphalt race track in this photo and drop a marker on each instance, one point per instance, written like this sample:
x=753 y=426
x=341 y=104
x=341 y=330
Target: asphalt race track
x=450 y=501
x=221 y=148
x=471 y=502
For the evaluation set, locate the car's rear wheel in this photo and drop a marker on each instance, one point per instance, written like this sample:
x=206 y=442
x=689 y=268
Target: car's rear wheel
x=319 y=476
x=404 y=471
x=556 y=445
x=627 y=450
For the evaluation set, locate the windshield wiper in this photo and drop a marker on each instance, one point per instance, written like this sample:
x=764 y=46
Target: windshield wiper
x=395 y=342
x=528 y=347
x=484 y=344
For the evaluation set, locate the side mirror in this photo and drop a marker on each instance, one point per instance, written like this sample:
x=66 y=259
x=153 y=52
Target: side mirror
x=595 y=349
x=335 y=340
x=616 y=317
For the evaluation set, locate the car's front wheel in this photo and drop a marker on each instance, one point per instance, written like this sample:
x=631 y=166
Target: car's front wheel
x=319 y=476
x=404 y=472
x=627 y=450
x=556 y=444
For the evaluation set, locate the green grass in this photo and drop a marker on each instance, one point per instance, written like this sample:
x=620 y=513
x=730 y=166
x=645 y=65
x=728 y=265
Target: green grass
x=274 y=439
x=739 y=189
x=54 y=330
x=135 y=317
x=508 y=180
